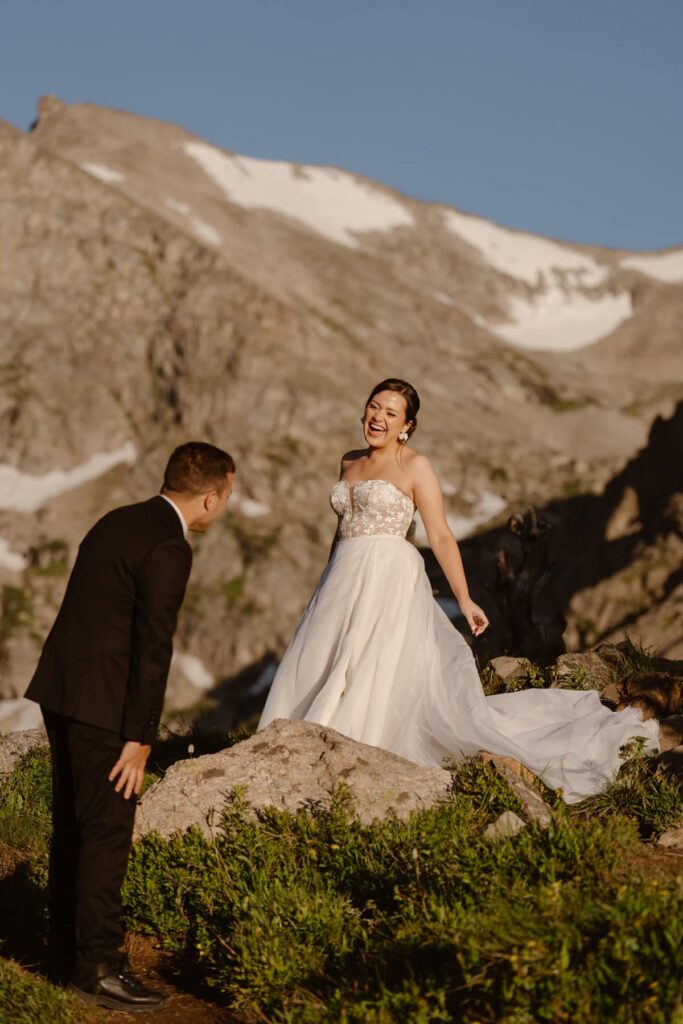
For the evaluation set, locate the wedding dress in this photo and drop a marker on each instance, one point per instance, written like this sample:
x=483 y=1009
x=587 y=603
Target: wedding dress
x=376 y=658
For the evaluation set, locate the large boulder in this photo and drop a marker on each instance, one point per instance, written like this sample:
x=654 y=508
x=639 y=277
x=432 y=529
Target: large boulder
x=288 y=764
x=15 y=744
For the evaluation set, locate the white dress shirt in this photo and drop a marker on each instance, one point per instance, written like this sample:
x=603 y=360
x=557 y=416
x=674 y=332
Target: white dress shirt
x=178 y=513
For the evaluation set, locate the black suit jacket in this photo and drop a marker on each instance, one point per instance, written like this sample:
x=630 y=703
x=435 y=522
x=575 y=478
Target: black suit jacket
x=107 y=657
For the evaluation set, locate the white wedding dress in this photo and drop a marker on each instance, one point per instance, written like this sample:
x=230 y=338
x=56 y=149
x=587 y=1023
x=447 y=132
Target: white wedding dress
x=376 y=658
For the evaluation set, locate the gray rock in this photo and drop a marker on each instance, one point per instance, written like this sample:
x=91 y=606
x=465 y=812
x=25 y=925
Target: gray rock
x=15 y=744
x=506 y=669
x=286 y=765
x=672 y=839
x=519 y=780
x=584 y=671
x=508 y=824
x=611 y=695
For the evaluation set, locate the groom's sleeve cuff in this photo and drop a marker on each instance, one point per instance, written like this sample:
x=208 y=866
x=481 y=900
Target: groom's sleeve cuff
x=142 y=732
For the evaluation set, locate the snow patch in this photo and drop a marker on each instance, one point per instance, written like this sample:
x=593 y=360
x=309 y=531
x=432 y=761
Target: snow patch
x=11 y=559
x=194 y=670
x=18 y=714
x=249 y=507
x=205 y=232
x=328 y=201
x=560 y=321
x=559 y=315
x=524 y=256
x=486 y=507
x=106 y=174
x=25 y=492
x=663 y=266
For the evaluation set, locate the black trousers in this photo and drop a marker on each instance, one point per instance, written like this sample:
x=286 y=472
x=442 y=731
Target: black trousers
x=91 y=840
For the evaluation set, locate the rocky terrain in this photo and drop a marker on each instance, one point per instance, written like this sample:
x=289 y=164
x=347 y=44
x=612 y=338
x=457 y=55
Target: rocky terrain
x=155 y=288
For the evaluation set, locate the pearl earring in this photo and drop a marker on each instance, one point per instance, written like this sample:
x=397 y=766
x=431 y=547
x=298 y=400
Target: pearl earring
x=403 y=436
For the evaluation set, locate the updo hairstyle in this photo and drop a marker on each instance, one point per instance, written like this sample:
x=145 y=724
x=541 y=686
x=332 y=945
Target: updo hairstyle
x=401 y=387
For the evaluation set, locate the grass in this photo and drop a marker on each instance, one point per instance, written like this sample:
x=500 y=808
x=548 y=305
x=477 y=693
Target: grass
x=25 y=803
x=313 y=917
x=644 y=790
x=27 y=1000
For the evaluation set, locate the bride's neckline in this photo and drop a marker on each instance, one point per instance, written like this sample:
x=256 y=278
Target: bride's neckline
x=374 y=480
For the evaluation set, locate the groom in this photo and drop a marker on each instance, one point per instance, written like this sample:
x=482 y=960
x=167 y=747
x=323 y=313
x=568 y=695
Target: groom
x=100 y=683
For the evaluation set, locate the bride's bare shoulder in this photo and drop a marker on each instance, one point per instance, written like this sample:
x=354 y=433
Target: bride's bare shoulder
x=419 y=466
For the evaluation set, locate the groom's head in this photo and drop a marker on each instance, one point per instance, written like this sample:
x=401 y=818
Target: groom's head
x=198 y=478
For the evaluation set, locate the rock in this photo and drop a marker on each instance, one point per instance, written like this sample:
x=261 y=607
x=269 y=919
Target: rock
x=614 y=653
x=610 y=695
x=508 y=824
x=672 y=839
x=15 y=744
x=671 y=732
x=584 y=671
x=288 y=764
x=49 y=104
x=519 y=780
x=507 y=669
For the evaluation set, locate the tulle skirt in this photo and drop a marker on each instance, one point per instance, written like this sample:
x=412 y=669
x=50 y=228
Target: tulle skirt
x=376 y=658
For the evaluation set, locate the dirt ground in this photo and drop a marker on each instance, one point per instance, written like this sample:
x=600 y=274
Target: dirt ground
x=21 y=910
x=182 y=1008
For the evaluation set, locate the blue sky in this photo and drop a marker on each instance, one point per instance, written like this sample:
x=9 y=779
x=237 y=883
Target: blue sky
x=561 y=118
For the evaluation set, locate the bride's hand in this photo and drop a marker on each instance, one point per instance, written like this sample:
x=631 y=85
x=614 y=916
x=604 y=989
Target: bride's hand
x=475 y=616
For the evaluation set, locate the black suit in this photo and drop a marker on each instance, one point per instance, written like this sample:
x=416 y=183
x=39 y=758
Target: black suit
x=100 y=681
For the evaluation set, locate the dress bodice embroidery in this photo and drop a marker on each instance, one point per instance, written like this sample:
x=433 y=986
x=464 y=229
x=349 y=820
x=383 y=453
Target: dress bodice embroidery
x=371 y=508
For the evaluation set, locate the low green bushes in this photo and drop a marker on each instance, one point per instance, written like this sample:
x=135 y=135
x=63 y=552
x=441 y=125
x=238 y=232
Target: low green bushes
x=25 y=803
x=313 y=917
x=27 y=1000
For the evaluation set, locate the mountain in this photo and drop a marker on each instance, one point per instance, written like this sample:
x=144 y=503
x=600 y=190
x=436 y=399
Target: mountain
x=156 y=288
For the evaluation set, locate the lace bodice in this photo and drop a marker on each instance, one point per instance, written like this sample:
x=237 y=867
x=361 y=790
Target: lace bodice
x=371 y=508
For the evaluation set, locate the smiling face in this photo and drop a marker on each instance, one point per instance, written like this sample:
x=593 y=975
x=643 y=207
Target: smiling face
x=384 y=419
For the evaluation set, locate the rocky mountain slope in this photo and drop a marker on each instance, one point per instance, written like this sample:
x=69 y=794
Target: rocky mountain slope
x=155 y=288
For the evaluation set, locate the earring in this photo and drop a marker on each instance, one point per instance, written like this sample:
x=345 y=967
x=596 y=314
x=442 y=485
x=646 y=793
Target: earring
x=403 y=436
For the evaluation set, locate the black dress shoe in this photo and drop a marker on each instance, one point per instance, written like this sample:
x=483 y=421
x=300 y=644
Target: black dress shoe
x=115 y=987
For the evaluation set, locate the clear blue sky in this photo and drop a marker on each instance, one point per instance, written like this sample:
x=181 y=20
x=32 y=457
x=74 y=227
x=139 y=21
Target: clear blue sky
x=564 y=118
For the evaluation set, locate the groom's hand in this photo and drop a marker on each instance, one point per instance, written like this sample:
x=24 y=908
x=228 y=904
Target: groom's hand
x=130 y=768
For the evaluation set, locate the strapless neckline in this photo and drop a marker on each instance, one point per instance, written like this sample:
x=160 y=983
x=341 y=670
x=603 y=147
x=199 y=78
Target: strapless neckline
x=375 y=480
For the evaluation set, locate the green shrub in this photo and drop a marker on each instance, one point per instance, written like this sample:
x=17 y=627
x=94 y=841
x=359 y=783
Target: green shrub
x=644 y=790
x=25 y=999
x=25 y=803
x=315 y=917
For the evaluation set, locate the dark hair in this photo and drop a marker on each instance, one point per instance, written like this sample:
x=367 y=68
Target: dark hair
x=402 y=387
x=197 y=467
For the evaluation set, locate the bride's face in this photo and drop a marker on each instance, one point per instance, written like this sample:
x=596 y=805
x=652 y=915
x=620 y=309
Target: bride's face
x=384 y=419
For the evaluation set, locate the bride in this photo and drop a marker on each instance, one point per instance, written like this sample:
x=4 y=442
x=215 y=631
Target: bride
x=376 y=658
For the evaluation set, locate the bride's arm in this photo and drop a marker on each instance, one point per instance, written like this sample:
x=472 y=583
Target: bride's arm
x=429 y=502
